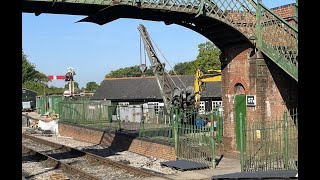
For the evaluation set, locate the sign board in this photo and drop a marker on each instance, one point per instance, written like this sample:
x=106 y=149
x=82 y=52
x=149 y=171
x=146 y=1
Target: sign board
x=66 y=93
x=258 y=134
x=251 y=100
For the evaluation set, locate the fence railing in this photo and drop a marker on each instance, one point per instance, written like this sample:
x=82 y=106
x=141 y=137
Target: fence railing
x=271 y=145
x=194 y=136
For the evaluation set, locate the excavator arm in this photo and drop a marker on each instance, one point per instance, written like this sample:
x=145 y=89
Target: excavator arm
x=199 y=79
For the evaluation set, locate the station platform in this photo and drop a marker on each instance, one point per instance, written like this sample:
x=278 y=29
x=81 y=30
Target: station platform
x=226 y=166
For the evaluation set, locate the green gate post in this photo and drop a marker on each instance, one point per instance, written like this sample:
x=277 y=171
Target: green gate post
x=286 y=140
x=175 y=129
x=220 y=127
x=213 y=160
x=241 y=142
x=258 y=25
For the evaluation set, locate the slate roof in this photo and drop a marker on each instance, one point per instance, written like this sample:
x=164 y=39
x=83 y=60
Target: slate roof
x=146 y=89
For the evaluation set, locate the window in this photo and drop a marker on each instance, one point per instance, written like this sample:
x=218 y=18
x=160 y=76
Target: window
x=202 y=107
x=155 y=106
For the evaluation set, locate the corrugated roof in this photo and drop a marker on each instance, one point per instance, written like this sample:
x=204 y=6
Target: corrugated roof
x=146 y=88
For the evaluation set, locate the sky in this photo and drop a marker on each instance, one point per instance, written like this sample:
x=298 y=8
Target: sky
x=55 y=42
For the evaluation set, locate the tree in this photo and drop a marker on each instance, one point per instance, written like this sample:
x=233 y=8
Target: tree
x=40 y=77
x=208 y=57
x=92 y=86
x=35 y=80
x=76 y=85
x=38 y=87
x=132 y=71
x=183 y=68
x=28 y=70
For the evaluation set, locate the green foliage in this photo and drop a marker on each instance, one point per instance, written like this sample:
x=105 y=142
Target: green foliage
x=54 y=90
x=40 y=77
x=183 y=68
x=42 y=88
x=133 y=71
x=208 y=57
x=28 y=70
x=92 y=86
x=34 y=80
x=38 y=87
x=76 y=86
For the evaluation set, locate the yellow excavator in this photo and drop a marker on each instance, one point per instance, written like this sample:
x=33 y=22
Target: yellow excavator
x=199 y=82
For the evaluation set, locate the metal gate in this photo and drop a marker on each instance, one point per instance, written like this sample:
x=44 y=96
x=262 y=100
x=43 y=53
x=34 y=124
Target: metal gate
x=271 y=145
x=196 y=136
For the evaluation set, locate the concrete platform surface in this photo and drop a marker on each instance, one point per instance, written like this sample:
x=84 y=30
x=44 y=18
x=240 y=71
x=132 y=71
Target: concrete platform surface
x=226 y=166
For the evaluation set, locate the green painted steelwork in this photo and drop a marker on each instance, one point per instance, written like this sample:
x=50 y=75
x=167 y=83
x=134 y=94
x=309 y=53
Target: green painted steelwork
x=219 y=127
x=241 y=140
x=213 y=145
x=279 y=38
x=184 y=132
x=175 y=130
x=272 y=145
x=240 y=108
x=258 y=23
x=286 y=143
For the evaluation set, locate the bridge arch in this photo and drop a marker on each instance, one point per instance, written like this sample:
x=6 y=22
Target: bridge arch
x=218 y=25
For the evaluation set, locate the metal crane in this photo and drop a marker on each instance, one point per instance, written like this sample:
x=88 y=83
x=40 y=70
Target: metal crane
x=172 y=96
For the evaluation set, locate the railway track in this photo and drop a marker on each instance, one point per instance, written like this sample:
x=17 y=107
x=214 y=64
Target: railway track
x=77 y=164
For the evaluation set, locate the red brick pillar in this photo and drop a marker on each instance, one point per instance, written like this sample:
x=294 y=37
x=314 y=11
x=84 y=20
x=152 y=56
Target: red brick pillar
x=248 y=72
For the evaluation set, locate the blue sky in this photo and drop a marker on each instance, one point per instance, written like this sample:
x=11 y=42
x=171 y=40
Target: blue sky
x=55 y=42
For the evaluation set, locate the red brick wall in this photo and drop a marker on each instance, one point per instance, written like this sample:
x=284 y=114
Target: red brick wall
x=286 y=11
x=118 y=141
x=274 y=89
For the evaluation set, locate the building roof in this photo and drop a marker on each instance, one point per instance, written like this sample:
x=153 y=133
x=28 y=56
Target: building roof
x=146 y=89
x=28 y=90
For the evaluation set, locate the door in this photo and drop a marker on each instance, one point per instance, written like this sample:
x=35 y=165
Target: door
x=240 y=113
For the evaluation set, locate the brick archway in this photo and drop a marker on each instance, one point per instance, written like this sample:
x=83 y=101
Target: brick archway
x=241 y=81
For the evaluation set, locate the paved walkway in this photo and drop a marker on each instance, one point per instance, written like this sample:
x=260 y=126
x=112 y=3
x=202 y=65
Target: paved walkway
x=226 y=166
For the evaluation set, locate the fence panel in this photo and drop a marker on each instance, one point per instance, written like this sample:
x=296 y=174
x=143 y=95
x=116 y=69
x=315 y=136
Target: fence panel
x=271 y=145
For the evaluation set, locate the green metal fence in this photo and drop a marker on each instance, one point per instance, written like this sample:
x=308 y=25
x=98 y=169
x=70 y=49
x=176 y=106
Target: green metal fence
x=90 y=113
x=271 y=145
x=195 y=137
x=103 y=115
x=53 y=103
x=41 y=104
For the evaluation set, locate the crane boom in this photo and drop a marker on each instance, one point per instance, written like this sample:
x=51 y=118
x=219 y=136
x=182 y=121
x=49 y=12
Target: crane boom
x=166 y=90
